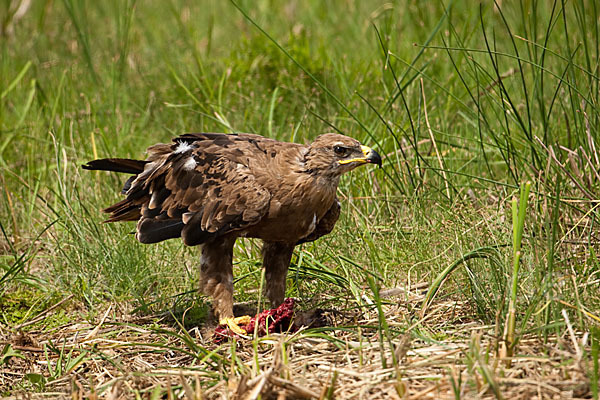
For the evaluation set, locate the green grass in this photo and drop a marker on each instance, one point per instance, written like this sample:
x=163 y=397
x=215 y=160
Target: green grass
x=467 y=102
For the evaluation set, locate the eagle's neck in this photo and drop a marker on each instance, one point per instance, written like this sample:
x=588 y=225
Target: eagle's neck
x=316 y=163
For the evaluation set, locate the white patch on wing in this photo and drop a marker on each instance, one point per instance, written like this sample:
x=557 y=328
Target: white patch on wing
x=313 y=225
x=153 y=201
x=183 y=147
x=187 y=216
x=189 y=164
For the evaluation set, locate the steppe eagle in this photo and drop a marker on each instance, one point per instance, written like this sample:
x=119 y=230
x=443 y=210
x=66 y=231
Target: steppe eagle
x=211 y=188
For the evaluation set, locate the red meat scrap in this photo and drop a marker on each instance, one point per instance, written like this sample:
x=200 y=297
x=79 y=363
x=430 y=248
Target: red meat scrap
x=275 y=320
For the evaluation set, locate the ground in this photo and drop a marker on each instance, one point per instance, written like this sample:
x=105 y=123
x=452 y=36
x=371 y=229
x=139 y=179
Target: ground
x=118 y=356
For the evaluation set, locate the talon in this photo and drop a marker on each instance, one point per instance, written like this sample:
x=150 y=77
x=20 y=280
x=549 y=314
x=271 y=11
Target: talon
x=233 y=324
x=243 y=320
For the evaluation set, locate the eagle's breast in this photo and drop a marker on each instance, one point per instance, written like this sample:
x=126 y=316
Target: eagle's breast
x=298 y=202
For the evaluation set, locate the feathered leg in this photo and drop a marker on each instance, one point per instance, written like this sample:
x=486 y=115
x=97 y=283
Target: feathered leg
x=216 y=280
x=276 y=260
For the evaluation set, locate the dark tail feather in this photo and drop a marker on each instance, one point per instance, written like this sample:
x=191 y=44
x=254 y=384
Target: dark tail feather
x=117 y=164
x=153 y=230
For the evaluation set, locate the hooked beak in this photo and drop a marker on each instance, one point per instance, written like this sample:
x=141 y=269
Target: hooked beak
x=370 y=156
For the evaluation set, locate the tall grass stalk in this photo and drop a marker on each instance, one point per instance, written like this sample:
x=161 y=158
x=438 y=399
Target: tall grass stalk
x=518 y=223
x=595 y=357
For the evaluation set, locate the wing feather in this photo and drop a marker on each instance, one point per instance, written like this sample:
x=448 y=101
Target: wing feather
x=200 y=187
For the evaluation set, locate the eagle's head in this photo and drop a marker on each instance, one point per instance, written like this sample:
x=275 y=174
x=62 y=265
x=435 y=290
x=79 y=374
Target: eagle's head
x=333 y=154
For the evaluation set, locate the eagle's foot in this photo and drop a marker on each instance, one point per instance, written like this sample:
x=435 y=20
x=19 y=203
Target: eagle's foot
x=234 y=324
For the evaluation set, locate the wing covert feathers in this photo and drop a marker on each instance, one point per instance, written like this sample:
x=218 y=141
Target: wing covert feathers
x=198 y=188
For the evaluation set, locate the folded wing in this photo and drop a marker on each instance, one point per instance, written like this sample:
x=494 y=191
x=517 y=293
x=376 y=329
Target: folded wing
x=200 y=187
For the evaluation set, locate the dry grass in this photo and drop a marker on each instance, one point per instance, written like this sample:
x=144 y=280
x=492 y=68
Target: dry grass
x=122 y=357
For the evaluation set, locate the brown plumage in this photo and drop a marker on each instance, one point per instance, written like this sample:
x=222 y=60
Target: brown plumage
x=211 y=188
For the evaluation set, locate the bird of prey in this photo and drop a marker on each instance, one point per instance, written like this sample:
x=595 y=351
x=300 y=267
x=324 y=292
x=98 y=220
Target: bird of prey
x=211 y=188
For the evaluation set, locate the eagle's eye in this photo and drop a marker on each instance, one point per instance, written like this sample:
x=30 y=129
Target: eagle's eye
x=340 y=150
